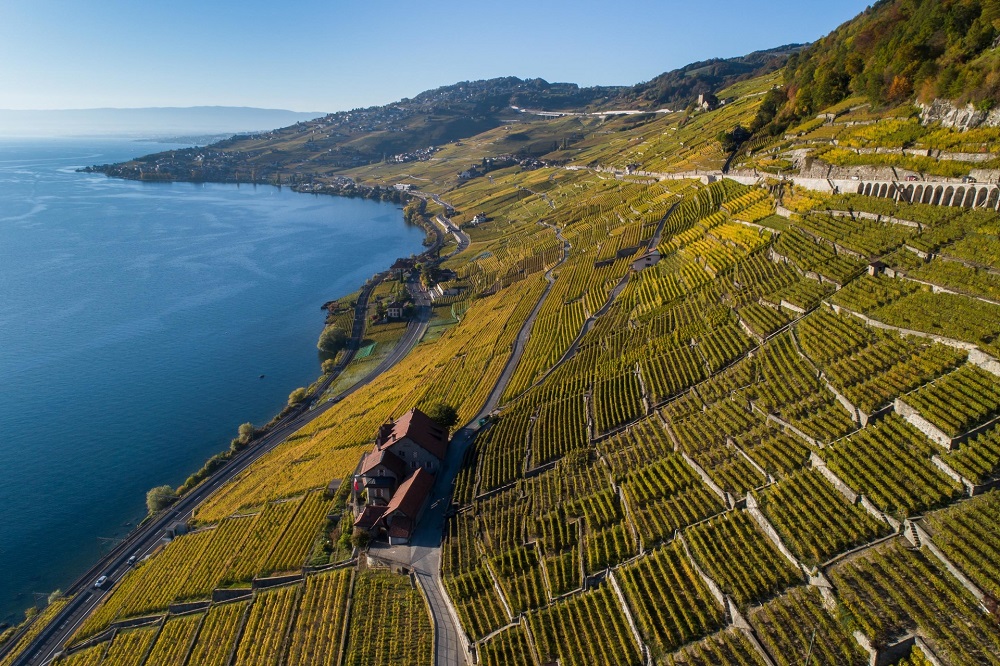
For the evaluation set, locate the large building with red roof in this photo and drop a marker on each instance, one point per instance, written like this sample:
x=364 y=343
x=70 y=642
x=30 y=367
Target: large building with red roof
x=395 y=479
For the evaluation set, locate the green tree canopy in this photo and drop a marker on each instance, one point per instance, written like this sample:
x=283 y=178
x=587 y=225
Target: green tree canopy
x=296 y=396
x=443 y=414
x=246 y=432
x=160 y=497
x=332 y=339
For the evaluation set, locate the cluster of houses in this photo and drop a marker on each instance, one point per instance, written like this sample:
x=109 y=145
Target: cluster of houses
x=418 y=155
x=395 y=479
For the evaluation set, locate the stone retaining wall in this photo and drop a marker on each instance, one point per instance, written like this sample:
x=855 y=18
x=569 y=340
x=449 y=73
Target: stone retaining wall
x=711 y=584
x=221 y=595
x=707 y=479
x=923 y=538
x=772 y=534
x=190 y=607
x=845 y=490
x=277 y=581
x=929 y=430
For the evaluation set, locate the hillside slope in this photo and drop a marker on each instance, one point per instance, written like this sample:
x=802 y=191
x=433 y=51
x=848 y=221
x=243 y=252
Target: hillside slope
x=898 y=49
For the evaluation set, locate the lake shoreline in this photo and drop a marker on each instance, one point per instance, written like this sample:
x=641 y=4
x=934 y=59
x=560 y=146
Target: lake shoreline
x=205 y=232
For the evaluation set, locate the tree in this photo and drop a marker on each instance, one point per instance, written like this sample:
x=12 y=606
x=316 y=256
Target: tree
x=360 y=539
x=443 y=414
x=296 y=396
x=332 y=339
x=328 y=366
x=246 y=432
x=159 y=498
x=732 y=140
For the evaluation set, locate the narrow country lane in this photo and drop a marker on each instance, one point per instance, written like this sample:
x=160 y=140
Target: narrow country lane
x=423 y=554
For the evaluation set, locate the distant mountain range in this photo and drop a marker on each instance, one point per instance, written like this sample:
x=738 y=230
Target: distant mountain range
x=152 y=122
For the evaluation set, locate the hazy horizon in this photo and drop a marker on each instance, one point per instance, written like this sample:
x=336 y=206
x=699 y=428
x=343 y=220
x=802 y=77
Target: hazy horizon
x=145 y=121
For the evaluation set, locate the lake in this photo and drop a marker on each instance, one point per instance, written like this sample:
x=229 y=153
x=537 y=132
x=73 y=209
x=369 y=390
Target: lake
x=135 y=322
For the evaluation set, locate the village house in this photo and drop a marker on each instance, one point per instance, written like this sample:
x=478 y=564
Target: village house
x=440 y=290
x=401 y=266
x=395 y=479
x=394 y=310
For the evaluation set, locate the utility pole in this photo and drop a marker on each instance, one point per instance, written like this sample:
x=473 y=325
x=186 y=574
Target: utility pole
x=812 y=642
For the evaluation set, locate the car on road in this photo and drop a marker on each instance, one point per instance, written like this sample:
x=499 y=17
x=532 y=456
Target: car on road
x=130 y=561
x=99 y=583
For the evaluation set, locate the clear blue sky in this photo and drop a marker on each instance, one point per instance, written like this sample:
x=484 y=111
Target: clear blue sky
x=315 y=55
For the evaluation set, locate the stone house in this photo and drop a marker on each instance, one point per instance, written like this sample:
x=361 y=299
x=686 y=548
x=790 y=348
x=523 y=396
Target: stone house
x=397 y=476
x=394 y=310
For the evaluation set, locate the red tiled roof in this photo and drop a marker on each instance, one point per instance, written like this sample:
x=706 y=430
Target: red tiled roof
x=420 y=428
x=411 y=495
x=387 y=459
x=369 y=517
x=401 y=528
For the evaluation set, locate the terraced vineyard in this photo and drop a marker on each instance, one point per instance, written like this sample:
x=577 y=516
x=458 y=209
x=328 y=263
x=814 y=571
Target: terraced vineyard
x=707 y=456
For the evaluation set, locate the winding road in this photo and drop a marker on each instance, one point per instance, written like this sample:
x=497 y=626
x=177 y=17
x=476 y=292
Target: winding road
x=423 y=554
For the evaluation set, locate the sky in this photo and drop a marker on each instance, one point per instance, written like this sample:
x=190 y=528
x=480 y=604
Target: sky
x=332 y=55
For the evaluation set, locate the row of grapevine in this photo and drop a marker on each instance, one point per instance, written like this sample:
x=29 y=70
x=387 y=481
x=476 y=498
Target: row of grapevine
x=129 y=647
x=796 y=630
x=731 y=647
x=761 y=319
x=644 y=442
x=866 y=237
x=740 y=558
x=171 y=647
x=958 y=401
x=874 y=376
x=501 y=449
x=668 y=374
x=560 y=427
x=814 y=520
x=476 y=601
x=964 y=533
x=977 y=460
x=277 y=538
x=616 y=401
x=510 y=646
x=319 y=625
x=264 y=636
x=777 y=452
x=585 y=629
x=889 y=463
x=826 y=336
x=891 y=590
x=519 y=573
x=389 y=623
x=217 y=635
x=670 y=602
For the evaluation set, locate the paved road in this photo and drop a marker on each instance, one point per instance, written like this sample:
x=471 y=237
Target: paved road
x=144 y=539
x=463 y=239
x=423 y=554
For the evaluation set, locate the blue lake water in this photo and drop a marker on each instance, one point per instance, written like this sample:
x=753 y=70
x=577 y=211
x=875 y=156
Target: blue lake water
x=135 y=320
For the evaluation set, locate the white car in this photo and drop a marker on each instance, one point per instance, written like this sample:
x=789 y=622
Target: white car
x=99 y=583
